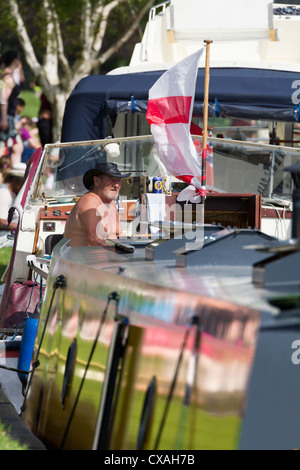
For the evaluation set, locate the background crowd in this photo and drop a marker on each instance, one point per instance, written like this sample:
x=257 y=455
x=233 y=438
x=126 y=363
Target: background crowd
x=20 y=135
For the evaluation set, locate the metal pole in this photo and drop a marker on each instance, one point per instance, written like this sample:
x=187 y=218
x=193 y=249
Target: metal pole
x=205 y=120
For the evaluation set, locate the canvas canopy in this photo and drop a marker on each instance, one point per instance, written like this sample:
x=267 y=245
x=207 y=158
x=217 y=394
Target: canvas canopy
x=237 y=92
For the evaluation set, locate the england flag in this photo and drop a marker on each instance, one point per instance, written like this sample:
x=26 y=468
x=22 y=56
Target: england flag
x=169 y=113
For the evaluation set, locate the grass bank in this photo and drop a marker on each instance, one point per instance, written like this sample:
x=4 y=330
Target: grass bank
x=32 y=103
x=5 y=254
x=6 y=442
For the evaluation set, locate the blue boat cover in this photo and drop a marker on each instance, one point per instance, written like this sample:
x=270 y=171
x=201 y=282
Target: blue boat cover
x=236 y=92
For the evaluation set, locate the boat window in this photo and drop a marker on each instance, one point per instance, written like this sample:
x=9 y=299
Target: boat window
x=233 y=166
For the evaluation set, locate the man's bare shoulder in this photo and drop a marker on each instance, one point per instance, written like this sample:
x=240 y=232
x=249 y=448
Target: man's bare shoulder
x=88 y=201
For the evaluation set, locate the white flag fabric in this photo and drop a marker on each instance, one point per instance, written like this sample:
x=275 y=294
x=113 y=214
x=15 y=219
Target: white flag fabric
x=169 y=113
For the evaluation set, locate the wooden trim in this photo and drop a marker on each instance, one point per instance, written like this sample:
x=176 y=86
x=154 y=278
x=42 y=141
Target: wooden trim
x=171 y=36
x=50 y=215
x=272 y=213
x=129 y=211
x=242 y=210
x=272 y=35
x=36 y=238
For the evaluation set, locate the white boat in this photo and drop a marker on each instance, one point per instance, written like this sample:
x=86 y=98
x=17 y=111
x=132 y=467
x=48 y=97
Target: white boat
x=254 y=80
x=183 y=334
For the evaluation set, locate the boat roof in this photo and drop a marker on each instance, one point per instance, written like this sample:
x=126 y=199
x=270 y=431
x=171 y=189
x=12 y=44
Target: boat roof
x=238 y=92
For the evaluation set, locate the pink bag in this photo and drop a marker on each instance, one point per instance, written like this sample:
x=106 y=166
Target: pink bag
x=22 y=301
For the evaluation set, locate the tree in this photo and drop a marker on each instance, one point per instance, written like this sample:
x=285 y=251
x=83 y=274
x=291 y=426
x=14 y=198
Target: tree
x=73 y=49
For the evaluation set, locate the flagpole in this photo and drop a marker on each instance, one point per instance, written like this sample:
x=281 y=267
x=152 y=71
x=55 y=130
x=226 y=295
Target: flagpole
x=205 y=120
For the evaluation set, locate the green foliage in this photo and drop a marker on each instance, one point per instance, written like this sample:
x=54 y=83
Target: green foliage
x=6 y=442
x=118 y=22
x=5 y=254
x=32 y=105
x=69 y=14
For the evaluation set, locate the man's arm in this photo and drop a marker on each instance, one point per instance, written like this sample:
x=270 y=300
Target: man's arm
x=5 y=226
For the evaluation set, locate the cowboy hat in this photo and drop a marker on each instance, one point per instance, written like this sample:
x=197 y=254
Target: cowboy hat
x=106 y=168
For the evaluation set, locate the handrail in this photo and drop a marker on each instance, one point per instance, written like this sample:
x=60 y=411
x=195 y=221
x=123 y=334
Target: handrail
x=153 y=10
x=119 y=140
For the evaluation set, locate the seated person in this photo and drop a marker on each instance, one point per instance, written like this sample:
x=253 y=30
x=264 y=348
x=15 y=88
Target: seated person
x=5 y=166
x=95 y=216
x=29 y=136
x=8 y=190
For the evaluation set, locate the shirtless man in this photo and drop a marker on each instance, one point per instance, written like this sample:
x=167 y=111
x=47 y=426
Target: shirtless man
x=95 y=216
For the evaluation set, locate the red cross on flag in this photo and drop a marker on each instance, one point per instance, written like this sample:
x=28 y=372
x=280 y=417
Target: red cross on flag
x=169 y=113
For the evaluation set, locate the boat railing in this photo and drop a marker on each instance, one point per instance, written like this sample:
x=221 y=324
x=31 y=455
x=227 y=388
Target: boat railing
x=238 y=166
x=155 y=8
